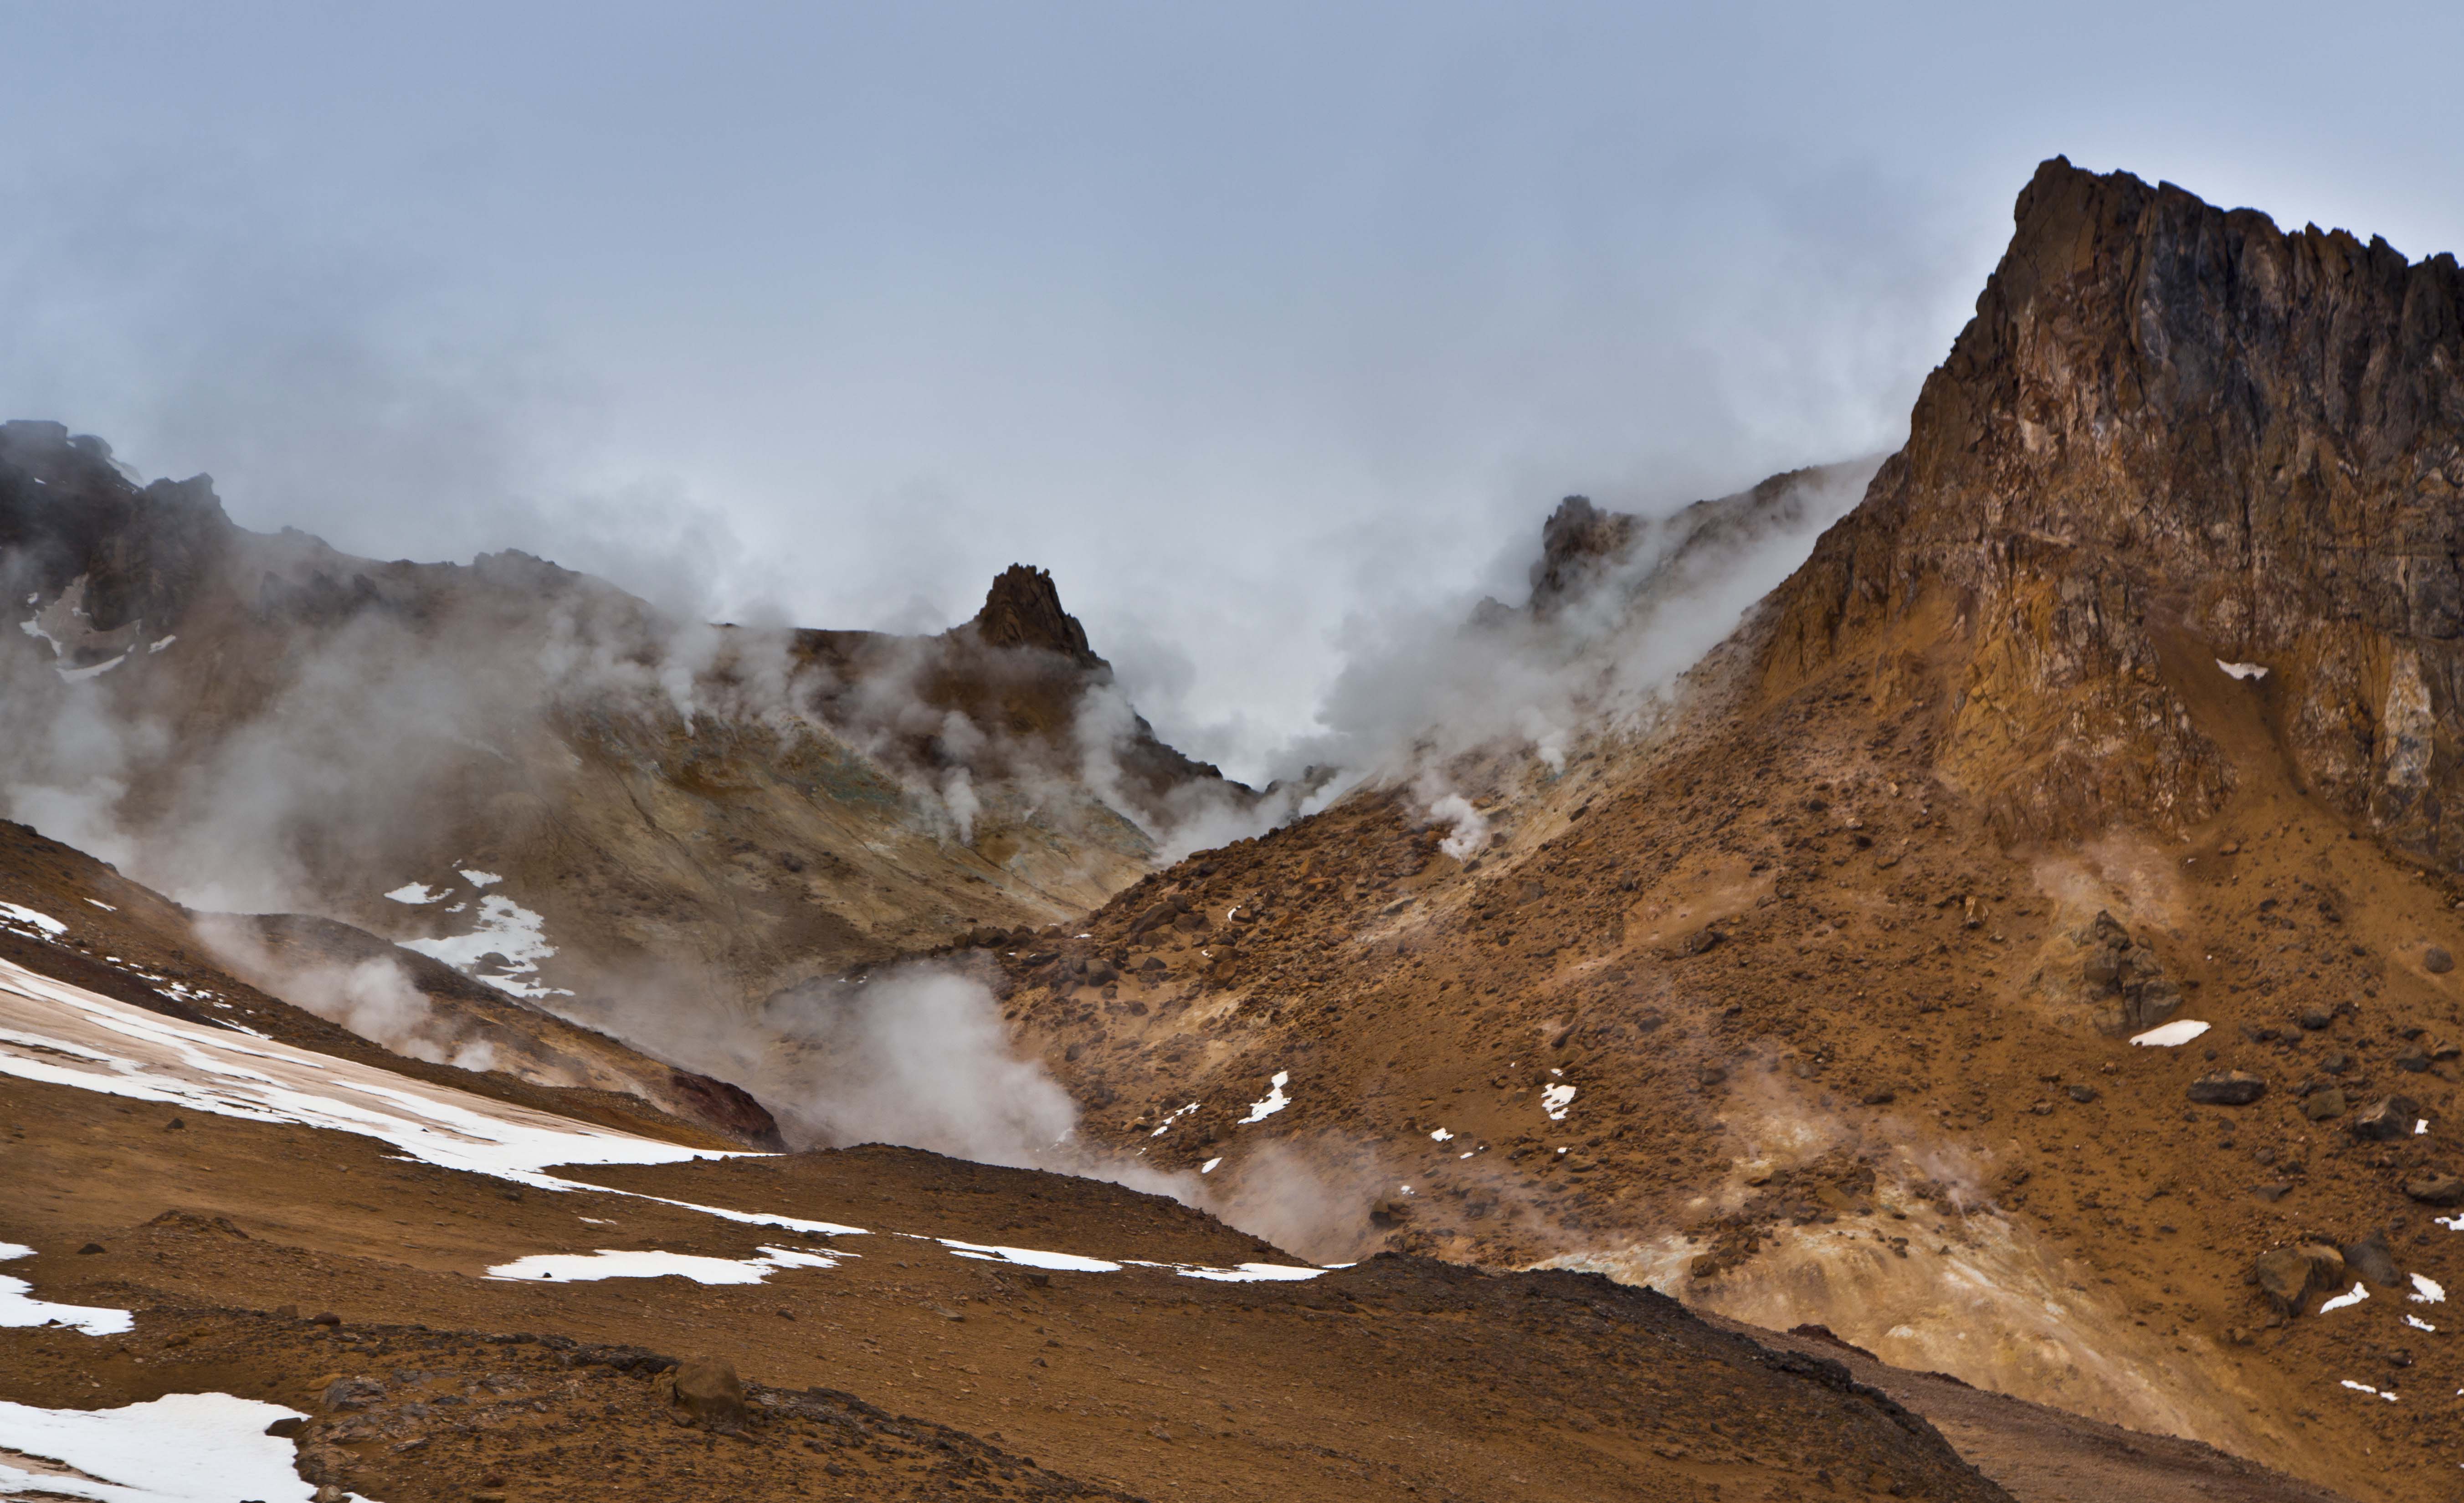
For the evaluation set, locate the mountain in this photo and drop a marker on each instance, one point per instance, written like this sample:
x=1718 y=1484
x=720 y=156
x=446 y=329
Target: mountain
x=1976 y=928
x=2120 y=700
x=538 y=778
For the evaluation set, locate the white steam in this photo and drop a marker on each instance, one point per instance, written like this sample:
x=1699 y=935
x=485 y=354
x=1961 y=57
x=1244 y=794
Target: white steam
x=372 y=998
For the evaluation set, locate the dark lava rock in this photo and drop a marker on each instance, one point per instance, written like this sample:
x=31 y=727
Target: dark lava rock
x=2314 y=1018
x=2436 y=961
x=2373 y=1261
x=353 y=1393
x=2083 y=1094
x=2413 y=1060
x=2386 y=1118
x=2228 y=1088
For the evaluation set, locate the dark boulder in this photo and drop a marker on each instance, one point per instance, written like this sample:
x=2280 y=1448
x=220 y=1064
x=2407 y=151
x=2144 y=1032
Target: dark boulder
x=2226 y=1087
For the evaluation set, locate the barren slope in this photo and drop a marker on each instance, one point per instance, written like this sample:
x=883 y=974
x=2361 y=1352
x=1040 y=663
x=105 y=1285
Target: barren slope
x=1802 y=1006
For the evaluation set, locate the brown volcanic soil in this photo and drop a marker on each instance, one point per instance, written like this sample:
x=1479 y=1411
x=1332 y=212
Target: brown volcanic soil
x=1401 y=1377
x=1848 y=1058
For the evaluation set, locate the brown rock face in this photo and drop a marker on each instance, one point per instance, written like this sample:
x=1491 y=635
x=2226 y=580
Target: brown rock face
x=2135 y=994
x=1023 y=610
x=2173 y=434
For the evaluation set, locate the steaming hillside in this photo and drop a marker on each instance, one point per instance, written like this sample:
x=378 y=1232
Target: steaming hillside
x=537 y=778
x=1988 y=910
x=2024 y=948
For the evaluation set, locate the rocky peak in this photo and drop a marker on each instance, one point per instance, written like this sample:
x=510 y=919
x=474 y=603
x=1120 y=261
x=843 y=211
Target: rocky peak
x=1023 y=610
x=2173 y=433
x=67 y=513
x=1576 y=542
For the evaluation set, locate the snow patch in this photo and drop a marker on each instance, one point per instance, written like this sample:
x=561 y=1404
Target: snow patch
x=2171 y=1035
x=61 y=1034
x=414 y=893
x=14 y=917
x=480 y=879
x=1245 y=1274
x=2242 y=669
x=1555 y=1100
x=504 y=950
x=183 y=1448
x=2367 y=1389
x=612 y=1263
x=18 y=1307
x=79 y=675
x=1208 y=1167
x=1165 y=1125
x=1030 y=1257
x=2425 y=1290
x=2418 y=1324
x=1441 y=1134
x=1275 y=1101
x=2351 y=1297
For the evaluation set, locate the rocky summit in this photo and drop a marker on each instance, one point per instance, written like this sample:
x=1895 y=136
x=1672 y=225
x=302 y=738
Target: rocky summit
x=1930 y=976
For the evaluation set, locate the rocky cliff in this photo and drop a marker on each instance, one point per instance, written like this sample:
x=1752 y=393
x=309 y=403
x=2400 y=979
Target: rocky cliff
x=2173 y=434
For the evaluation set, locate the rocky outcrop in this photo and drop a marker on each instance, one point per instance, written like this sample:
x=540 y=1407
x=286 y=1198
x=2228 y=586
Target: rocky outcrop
x=1578 y=543
x=2173 y=434
x=1023 y=610
x=2132 y=992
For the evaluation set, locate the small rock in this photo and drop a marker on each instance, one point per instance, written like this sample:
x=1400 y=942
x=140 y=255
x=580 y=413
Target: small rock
x=90 y=1248
x=2272 y=1193
x=286 y=1311
x=2226 y=1087
x=325 y=1319
x=2314 y=1018
x=175 y=1125
x=2436 y=1190
x=353 y=1393
x=2336 y=1064
x=2083 y=1094
x=2413 y=1060
x=2436 y=961
x=2325 y=1104
x=285 y=1427
x=330 y=1493
x=2385 y=1118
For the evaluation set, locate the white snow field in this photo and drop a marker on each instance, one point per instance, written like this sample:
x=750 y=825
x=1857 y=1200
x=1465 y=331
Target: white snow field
x=183 y=1448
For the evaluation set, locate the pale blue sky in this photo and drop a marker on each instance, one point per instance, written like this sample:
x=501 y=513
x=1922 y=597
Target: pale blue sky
x=1241 y=319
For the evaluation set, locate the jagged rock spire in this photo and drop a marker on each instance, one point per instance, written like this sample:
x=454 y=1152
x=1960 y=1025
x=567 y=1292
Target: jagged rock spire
x=1023 y=610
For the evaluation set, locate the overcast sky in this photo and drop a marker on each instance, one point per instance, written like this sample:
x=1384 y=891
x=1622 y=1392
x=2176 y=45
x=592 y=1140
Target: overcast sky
x=1248 y=320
